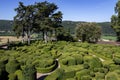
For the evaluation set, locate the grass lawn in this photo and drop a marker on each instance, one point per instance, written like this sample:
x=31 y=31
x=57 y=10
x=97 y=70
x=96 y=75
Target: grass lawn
x=113 y=38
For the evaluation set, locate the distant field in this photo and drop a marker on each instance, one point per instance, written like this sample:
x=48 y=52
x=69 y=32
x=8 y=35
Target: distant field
x=4 y=39
x=113 y=38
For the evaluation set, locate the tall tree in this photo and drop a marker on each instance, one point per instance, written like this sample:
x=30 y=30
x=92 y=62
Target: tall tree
x=115 y=20
x=18 y=26
x=46 y=18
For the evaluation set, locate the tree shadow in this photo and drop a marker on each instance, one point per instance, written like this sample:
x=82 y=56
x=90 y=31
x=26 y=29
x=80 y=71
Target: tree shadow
x=42 y=77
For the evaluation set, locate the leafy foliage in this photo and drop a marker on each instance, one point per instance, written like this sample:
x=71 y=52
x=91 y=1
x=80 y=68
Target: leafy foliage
x=89 y=32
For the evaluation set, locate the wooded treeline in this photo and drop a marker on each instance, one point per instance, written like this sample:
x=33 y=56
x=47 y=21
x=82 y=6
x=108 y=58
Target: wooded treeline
x=67 y=25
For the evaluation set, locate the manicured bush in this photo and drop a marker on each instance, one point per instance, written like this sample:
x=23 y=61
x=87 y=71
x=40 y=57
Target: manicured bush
x=19 y=74
x=81 y=73
x=12 y=66
x=99 y=75
x=47 y=69
x=93 y=62
x=12 y=76
x=86 y=78
x=29 y=72
x=69 y=74
x=112 y=76
x=116 y=60
x=78 y=58
x=71 y=61
x=57 y=75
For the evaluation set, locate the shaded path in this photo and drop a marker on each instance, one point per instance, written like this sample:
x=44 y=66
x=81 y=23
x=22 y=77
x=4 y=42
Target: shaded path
x=41 y=76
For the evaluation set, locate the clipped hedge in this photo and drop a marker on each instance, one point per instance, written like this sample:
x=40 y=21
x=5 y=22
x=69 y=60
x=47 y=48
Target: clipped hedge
x=57 y=75
x=82 y=73
x=19 y=74
x=12 y=66
x=112 y=76
x=93 y=62
x=12 y=76
x=29 y=72
x=86 y=78
x=47 y=69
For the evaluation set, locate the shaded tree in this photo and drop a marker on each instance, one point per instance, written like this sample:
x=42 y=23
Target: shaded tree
x=89 y=32
x=115 y=20
x=40 y=17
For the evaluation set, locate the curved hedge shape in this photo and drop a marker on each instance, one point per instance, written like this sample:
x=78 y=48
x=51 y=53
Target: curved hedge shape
x=112 y=76
x=48 y=69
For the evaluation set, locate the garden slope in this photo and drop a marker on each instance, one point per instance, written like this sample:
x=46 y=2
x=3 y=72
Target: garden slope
x=77 y=61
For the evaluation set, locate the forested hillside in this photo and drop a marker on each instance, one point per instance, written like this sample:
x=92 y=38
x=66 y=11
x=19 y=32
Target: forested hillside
x=6 y=25
x=106 y=29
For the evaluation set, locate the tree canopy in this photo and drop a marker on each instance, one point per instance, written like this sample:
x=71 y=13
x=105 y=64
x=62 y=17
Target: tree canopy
x=39 y=17
x=89 y=32
x=115 y=20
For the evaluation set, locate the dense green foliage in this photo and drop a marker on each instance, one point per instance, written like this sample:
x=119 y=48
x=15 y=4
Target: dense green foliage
x=115 y=20
x=39 y=17
x=68 y=25
x=69 y=60
x=89 y=32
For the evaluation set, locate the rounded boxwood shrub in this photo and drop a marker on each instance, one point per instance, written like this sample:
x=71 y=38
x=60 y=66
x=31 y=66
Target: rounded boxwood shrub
x=29 y=72
x=12 y=66
x=116 y=60
x=19 y=74
x=78 y=58
x=12 y=76
x=71 y=61
x=99 y=75
x=112 y=76
x=86 y=78
x=93 y=62
x=57 y=75
x=82 y=73
x=47 y=69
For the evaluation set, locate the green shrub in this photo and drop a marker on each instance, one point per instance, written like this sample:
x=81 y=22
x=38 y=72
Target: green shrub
x=12 y=66
x=114 y=67
x=86 y=78
x=71 y=61
x=29 y=72
x=99 y=75
x=57 y=75
x=111 y=76
x=12 y=76
x=82 y=73
x=78 y=58
x=92 y=74
x=47 y=69
x=69 y=74
x=116 y=60
x=86 y=65
x=19 y=74
x=93 y=62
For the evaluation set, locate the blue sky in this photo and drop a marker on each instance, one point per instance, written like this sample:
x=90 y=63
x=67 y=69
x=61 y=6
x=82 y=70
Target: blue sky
x=75 y=10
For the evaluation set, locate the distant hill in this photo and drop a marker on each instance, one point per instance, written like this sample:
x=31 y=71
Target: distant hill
x=6 y=25
x=105 y=26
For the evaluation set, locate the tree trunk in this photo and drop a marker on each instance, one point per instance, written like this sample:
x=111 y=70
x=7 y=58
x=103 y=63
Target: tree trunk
x=118 y=36
x=45 y=36
x=23 y=35
x=28 y=36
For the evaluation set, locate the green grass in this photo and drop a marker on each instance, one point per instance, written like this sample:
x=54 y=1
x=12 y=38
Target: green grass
x=113 y=38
